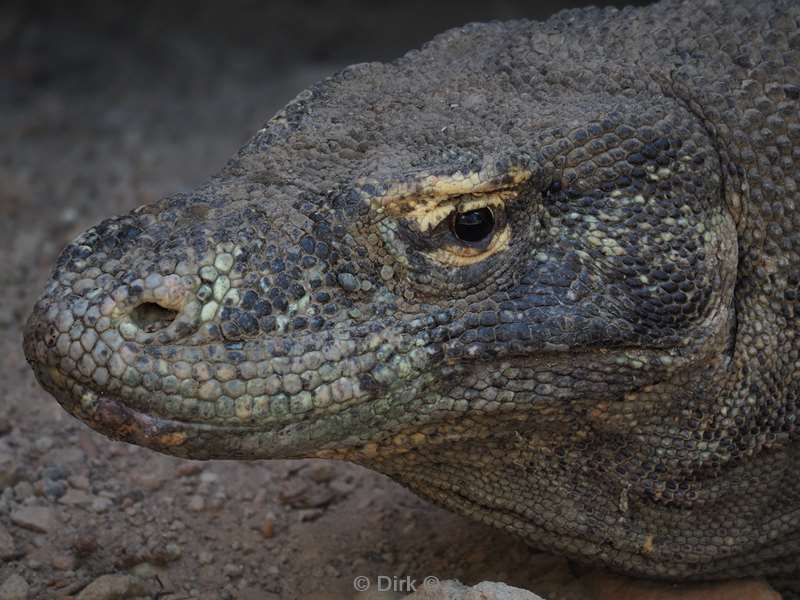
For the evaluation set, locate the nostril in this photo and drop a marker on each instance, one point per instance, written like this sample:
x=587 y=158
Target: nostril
x=151 y=317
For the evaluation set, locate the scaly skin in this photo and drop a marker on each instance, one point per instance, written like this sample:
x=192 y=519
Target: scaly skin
x=611 y=372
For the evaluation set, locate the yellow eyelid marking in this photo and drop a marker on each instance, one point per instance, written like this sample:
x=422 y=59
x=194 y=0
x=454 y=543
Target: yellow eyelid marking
x=439 y=186
x=426 y=201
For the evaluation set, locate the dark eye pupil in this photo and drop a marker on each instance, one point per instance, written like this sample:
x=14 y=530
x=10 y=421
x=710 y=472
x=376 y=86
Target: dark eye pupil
x=473 y=225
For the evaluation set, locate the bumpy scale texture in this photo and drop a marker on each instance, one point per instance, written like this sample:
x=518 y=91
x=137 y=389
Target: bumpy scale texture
x=611 y=372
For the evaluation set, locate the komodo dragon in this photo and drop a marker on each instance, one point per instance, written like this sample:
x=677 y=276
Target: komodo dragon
x=545 y=274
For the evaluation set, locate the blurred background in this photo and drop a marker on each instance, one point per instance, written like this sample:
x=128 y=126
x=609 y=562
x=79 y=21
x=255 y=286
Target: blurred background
x=150 y=72
x=105 y=106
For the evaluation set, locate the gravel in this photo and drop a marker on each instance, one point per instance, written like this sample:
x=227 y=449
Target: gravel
x=112 y=587
x=14 y=588
x=9 y=470
x=8 y=548
x=486 y=590
x=36 y=518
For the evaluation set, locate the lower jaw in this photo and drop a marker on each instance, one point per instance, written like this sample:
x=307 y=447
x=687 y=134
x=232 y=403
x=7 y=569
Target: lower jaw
x=344 y=435
x=114 y=418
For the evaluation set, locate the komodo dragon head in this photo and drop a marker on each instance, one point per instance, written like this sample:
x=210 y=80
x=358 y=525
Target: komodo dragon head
x=500 y=269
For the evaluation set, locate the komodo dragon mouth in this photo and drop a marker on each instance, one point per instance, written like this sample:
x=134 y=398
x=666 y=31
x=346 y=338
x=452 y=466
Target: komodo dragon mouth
x=544 y=274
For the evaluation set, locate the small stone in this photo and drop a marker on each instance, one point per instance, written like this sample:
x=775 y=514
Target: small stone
x=148 y=480
x=310 y=514
x=88 y=445
x=36 y=518
x=64 y=562
x=267 y=528
x=79 y=482
x=23 y=490
x=53 y=489
x=217 y=502
x=85 y=544
x=76 y=498
x=101 y=504
x=7 y=547
x=387 y=272
x=321 y=472
x=54 y=472
x=9 y=470
x=205 y=558
x=248 y=549
x=209 y=477
x=145 y=570
x=177 y=525
x=331 y=571
x=173 y=551
x=187 y=469
x=65 y=456
x=318 y=497
x=43 y=443
x=293 y=492
x=112 y=587
x=433 y=589
x=14 y=588
x=232 y=570
x=197 y=503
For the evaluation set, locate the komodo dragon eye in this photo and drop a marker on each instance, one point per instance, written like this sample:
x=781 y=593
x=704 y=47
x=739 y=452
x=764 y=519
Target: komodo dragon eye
x=468 y=228
x=473 y=226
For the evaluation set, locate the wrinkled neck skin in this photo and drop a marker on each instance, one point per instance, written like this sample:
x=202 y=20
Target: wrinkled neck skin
x=579 y=376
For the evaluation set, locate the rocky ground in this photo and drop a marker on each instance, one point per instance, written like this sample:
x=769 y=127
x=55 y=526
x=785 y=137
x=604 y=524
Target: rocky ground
x=102 y=110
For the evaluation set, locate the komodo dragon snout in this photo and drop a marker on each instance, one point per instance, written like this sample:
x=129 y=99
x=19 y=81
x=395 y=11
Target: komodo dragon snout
x=524 y=271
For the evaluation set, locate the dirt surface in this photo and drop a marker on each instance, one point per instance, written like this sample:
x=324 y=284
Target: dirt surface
x=102 y=110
